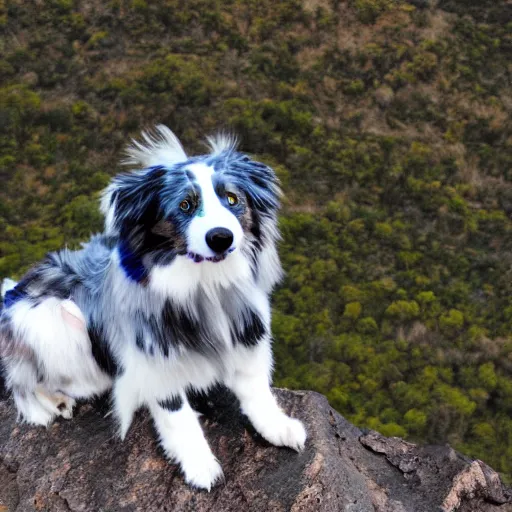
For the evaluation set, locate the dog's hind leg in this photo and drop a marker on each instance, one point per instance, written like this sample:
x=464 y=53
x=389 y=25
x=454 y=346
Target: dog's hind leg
x=47 y=358
x=183 y=440
x=35 y=403
x=19 y=364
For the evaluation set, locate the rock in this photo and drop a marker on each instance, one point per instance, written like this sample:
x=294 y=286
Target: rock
x=80 y=465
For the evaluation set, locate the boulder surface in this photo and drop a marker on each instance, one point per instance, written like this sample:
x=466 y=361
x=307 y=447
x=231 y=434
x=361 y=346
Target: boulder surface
x=80 y=465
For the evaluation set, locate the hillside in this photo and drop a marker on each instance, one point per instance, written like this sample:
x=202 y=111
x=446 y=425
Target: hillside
x=389 y=125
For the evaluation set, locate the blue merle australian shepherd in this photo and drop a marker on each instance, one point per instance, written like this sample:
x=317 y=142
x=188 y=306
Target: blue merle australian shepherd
x=173 y=297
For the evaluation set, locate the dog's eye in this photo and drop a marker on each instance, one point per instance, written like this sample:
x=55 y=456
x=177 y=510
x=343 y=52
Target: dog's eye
x=232 y=199
x=185 y=206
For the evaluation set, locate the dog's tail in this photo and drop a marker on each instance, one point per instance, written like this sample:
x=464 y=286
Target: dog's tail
x=160 y=147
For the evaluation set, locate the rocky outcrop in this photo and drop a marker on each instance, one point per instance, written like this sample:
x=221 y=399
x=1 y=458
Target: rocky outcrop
x=80 y=465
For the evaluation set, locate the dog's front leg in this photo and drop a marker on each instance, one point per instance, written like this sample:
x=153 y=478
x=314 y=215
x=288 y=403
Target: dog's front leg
x=183 y=440
x=251 y=384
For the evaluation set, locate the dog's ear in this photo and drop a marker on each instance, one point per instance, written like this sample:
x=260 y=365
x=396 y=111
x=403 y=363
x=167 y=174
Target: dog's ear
x=132 y=200
x=258 y=181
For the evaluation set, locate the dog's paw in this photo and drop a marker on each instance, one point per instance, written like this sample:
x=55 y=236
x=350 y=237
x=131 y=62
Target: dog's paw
x=32 y=411
x=37 y=416
x=64 y=405
x=285 y=431
x=57 y=403
x=203 y=474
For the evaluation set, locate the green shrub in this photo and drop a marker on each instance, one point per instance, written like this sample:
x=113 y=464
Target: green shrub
x=369 y=10
x=352 y=311
x=403 y=310
x=451 y=322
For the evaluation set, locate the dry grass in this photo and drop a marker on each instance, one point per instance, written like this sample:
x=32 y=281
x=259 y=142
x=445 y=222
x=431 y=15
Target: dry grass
x=308 y=56
x=353 y=35
x=439 y=23
x=470 y=174
x=313 y=5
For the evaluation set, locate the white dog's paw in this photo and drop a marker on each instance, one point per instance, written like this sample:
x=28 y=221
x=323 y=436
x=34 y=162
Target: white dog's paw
x=37 y=415
x=57 y=403
x=65 y=405
x=285 y=431
x=203 y=474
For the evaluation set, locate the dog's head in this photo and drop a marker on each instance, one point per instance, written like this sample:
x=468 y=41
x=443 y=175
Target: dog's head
x=202 y=208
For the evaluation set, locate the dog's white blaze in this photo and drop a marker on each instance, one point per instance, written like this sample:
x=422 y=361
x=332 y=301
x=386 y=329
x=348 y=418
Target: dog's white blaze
x=213 y=214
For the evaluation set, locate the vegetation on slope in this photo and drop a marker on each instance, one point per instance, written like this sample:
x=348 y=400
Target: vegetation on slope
x=389 y=124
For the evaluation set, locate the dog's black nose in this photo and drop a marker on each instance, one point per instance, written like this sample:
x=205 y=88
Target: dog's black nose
x=219 y=240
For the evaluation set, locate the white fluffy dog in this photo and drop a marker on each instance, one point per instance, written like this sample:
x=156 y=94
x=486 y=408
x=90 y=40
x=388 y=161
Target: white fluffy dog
x=173 y=297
